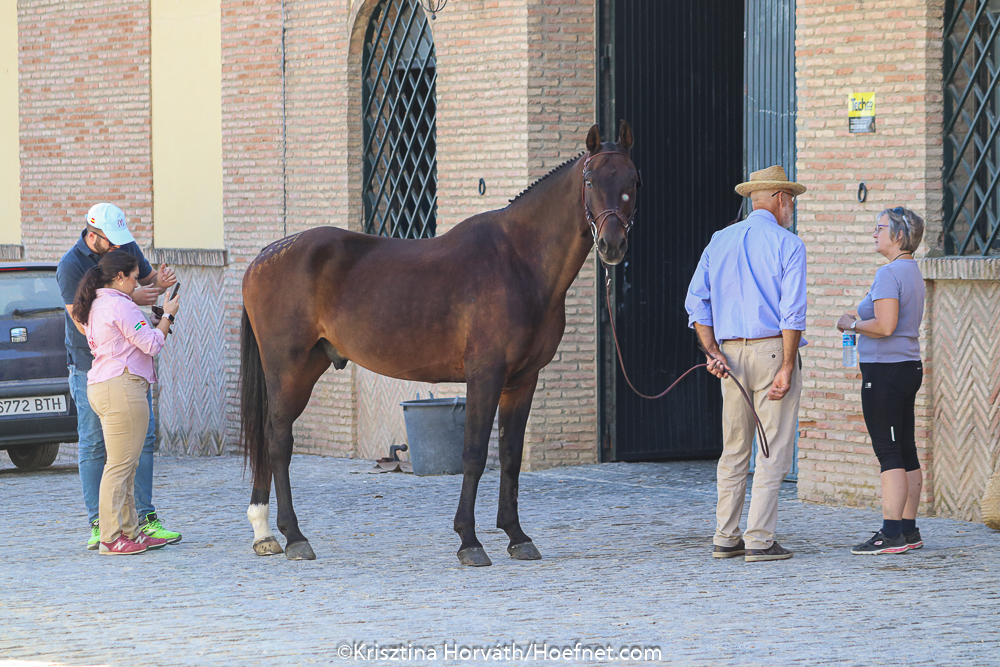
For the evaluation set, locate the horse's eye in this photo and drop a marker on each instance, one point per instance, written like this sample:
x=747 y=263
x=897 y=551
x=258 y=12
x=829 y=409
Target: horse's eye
x=590 y=184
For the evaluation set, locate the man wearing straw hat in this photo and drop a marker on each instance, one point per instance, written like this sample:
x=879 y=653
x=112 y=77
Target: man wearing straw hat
x=747 y=302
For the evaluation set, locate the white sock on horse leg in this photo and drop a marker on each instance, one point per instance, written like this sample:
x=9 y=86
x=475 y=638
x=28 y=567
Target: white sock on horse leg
x=259 y=516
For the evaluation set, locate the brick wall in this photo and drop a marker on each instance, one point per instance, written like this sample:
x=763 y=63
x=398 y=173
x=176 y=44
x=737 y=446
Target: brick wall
x=894 y=49
x=561 y=96
x=965 y=386
x=482 y=96
x=292 y=154
x=318 y=122
x=252 y=143
x=84 y=117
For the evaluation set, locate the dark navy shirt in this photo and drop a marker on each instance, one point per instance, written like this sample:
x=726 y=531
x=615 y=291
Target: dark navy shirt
x=69 y=273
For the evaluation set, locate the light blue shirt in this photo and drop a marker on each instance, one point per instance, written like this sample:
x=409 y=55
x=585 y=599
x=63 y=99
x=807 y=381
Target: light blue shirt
x=751 y=281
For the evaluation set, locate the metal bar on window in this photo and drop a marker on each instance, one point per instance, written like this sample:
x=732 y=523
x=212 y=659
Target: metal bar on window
x=398 y=117
x=972 y=83
x=409 y=106
x=971 y=174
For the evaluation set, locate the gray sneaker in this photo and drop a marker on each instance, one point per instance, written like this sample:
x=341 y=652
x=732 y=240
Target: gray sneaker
x=773 y=552
x=728 y=552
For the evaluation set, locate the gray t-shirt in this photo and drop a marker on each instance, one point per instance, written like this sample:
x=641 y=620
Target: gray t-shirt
x=900 y=280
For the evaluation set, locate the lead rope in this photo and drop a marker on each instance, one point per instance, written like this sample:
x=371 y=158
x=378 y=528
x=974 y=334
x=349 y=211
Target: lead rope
x=761 y=436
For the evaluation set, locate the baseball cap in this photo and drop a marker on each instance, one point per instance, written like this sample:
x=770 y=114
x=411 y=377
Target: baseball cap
x=111 y=220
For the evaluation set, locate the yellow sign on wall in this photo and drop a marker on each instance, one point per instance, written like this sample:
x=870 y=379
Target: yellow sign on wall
x=861 y=113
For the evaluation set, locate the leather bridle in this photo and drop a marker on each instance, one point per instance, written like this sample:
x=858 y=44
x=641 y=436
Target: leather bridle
x=597 y=223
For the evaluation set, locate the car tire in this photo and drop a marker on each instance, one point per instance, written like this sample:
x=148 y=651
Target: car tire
x=32 y=457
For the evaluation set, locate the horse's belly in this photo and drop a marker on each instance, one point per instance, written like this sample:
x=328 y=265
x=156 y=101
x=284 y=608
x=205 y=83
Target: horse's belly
x=402 y=369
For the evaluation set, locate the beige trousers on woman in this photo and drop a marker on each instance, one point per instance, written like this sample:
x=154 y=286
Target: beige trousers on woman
x=754 y=363
x=121 y=404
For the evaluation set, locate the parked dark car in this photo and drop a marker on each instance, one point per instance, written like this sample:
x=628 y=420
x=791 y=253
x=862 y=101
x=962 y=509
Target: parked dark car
x=36 y=409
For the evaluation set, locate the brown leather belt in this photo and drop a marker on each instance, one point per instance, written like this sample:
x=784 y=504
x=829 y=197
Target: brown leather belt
x=750 y=340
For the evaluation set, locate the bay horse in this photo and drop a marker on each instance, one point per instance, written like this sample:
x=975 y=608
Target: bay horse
x=484 y=304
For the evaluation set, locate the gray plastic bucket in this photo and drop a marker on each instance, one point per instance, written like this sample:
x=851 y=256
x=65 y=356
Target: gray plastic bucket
x=435 y=429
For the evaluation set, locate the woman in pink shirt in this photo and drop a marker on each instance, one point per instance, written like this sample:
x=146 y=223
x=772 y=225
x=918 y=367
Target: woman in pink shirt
x=123 y=344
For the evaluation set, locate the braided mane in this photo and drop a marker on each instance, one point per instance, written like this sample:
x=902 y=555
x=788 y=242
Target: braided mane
x=554 y=170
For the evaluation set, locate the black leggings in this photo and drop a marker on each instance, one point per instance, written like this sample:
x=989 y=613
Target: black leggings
x=888 y=392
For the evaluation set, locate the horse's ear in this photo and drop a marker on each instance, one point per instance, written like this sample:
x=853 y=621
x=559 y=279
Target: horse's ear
x=625 y=138
x=594 y=140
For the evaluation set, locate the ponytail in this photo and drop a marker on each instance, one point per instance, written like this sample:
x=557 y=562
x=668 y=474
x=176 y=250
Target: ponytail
x=102 y=275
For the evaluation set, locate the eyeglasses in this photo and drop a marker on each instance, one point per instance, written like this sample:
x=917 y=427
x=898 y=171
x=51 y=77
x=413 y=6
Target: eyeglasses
x=102 y=236
x=879 y=227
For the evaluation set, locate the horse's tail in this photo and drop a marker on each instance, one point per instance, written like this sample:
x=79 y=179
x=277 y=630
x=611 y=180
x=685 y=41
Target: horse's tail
x=253 y=407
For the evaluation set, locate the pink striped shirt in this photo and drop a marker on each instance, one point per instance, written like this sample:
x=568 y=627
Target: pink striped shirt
x=120 y=336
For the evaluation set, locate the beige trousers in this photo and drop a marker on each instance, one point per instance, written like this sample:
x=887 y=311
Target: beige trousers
x=754 y=363
x=121 y=405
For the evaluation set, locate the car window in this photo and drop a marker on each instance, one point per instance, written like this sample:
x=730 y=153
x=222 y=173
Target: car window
x=28 y=290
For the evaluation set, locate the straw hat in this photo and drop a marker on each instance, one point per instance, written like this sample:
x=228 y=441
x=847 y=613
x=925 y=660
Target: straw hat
x=772 y=178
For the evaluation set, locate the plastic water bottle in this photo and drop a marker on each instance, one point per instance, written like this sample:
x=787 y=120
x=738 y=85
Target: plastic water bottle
x=850 y=350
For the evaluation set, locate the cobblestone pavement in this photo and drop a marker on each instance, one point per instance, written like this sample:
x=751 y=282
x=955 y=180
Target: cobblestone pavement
x=626 y=564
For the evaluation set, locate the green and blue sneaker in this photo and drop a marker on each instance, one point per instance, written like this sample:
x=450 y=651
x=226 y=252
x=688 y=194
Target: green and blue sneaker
x=95 y=536
x=152 y=526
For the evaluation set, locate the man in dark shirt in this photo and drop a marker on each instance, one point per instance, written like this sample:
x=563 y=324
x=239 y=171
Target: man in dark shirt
x=106 y=231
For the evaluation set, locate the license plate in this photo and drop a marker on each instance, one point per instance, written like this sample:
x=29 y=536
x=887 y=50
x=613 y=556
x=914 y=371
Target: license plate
x=32 y=405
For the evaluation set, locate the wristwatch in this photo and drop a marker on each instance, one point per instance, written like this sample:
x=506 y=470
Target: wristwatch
x=170 y=315
x=854 y=324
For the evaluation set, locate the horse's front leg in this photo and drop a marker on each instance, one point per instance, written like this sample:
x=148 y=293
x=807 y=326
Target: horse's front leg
x=264 y=543
x=483 y=394
x=515 y=404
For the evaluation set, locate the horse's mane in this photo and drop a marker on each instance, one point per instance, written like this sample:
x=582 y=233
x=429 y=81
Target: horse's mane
x=554 y=170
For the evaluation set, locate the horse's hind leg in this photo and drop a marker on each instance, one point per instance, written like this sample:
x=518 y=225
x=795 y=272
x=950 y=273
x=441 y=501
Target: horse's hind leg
x=515 y=405
x=290 y=395
x=481 y=405
x=296 y=545
x=264 y=543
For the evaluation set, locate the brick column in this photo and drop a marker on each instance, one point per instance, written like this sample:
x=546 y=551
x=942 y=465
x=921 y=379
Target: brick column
x=893 y=49
x=252 y=159
x=562 y=428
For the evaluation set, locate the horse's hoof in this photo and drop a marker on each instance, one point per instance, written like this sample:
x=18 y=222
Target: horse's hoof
x=474 y=556
x=267 y=546
x=524 y=551
x=299 y=551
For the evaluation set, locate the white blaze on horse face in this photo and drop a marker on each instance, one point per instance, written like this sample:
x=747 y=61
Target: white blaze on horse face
x=259 y=516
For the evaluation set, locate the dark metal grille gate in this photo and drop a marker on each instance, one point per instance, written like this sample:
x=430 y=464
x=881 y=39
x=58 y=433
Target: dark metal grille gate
x=770 y=109
x=709 y=104
x=769 y=80
x=398 y=116
x=674 y=70
x=971 y=126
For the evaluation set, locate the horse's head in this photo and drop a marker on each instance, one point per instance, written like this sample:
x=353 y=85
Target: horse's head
x=610 y=181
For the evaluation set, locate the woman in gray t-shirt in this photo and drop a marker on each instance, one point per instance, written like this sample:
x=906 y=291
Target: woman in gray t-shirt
x=888 y=328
